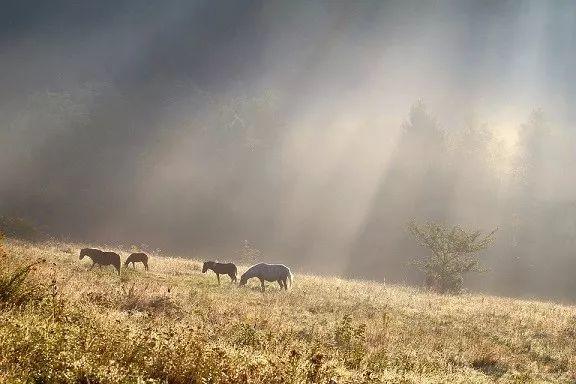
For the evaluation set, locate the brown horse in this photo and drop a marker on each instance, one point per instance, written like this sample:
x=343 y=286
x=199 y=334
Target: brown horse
x=221 y=268
x=101 y=258
x=137 y=258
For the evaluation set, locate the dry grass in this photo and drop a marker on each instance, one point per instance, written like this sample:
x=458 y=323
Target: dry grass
x=175 y=325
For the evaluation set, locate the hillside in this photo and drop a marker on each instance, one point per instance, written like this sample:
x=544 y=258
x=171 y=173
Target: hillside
x=173 y=324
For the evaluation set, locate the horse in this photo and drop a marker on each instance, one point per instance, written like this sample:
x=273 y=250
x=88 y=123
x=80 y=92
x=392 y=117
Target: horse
x=101 y=258
x=268 y=272
x=137 y=258
x=221 y=268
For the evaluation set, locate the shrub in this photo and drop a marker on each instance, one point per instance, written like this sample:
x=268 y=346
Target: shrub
x=18 y=228
x=133 y=299
x=350 y=341
x=2 y=252
x=16 y=289
x=247 y=336
x=453 y=253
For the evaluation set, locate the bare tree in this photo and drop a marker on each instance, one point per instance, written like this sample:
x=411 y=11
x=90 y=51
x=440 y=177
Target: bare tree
x=453 y=254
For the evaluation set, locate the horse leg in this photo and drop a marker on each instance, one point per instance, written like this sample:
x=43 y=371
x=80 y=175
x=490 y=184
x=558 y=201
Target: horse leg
x=285 y=284
x=232 y=277
x=145 y=266
x=93 y=264
x=218 y=276
x=280 y=283
x=262 y=284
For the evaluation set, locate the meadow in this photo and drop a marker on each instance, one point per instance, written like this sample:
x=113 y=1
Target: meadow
x=61 y=323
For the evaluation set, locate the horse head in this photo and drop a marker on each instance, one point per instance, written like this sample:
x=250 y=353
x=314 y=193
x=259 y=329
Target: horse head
x=206 y=265
x=243 y=281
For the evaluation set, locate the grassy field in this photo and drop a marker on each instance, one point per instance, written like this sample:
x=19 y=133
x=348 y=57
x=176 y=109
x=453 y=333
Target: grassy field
x=63 y=323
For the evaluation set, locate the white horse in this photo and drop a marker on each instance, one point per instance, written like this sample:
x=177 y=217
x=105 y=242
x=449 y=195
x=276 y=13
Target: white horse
x=268 y=272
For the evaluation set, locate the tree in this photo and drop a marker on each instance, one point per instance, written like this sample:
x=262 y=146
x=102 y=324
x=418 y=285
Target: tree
x=453 y=254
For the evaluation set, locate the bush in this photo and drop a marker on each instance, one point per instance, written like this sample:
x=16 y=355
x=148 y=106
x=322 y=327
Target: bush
x=248 y=336
x=2 y=252
x=350 y=341
x=133 y=299
x=452 y=254
x=16 y=289
x=18 y=228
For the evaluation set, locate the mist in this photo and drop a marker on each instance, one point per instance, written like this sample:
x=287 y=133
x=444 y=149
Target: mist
x=312 y=130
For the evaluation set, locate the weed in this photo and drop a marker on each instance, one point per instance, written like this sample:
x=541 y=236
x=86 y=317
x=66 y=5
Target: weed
x=248 y=335
x=350 y=341
x=16 y=288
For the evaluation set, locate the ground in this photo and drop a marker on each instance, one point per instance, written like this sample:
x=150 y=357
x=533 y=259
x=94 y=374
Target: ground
x=173 y=324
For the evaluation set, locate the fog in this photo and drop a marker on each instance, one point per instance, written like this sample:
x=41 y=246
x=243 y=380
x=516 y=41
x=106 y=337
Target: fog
x=312 y=130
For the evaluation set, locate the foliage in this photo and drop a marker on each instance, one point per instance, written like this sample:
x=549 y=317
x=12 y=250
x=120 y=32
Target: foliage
x=18 y=228
x=453 y=253
x=135 y=299
x=2 y=252
x=16 y=288
x=350 y=341
x=248 y=335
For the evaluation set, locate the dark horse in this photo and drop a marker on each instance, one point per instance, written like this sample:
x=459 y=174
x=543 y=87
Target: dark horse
x=101 y=258
x=137 y=258
x=221 y=268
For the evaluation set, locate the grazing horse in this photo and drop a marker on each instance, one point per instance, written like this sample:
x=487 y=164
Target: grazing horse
x=221 y=268
x=101 y=258
x=137 y=258
x=268 y=272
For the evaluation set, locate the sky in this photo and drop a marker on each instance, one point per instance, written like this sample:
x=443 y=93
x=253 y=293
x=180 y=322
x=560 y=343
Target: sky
x=196 y=125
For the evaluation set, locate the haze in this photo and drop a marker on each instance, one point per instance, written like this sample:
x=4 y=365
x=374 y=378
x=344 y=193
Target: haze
x=313 y=130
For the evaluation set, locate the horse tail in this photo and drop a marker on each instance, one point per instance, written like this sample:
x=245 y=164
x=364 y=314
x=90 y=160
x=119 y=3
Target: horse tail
x=290 y=277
